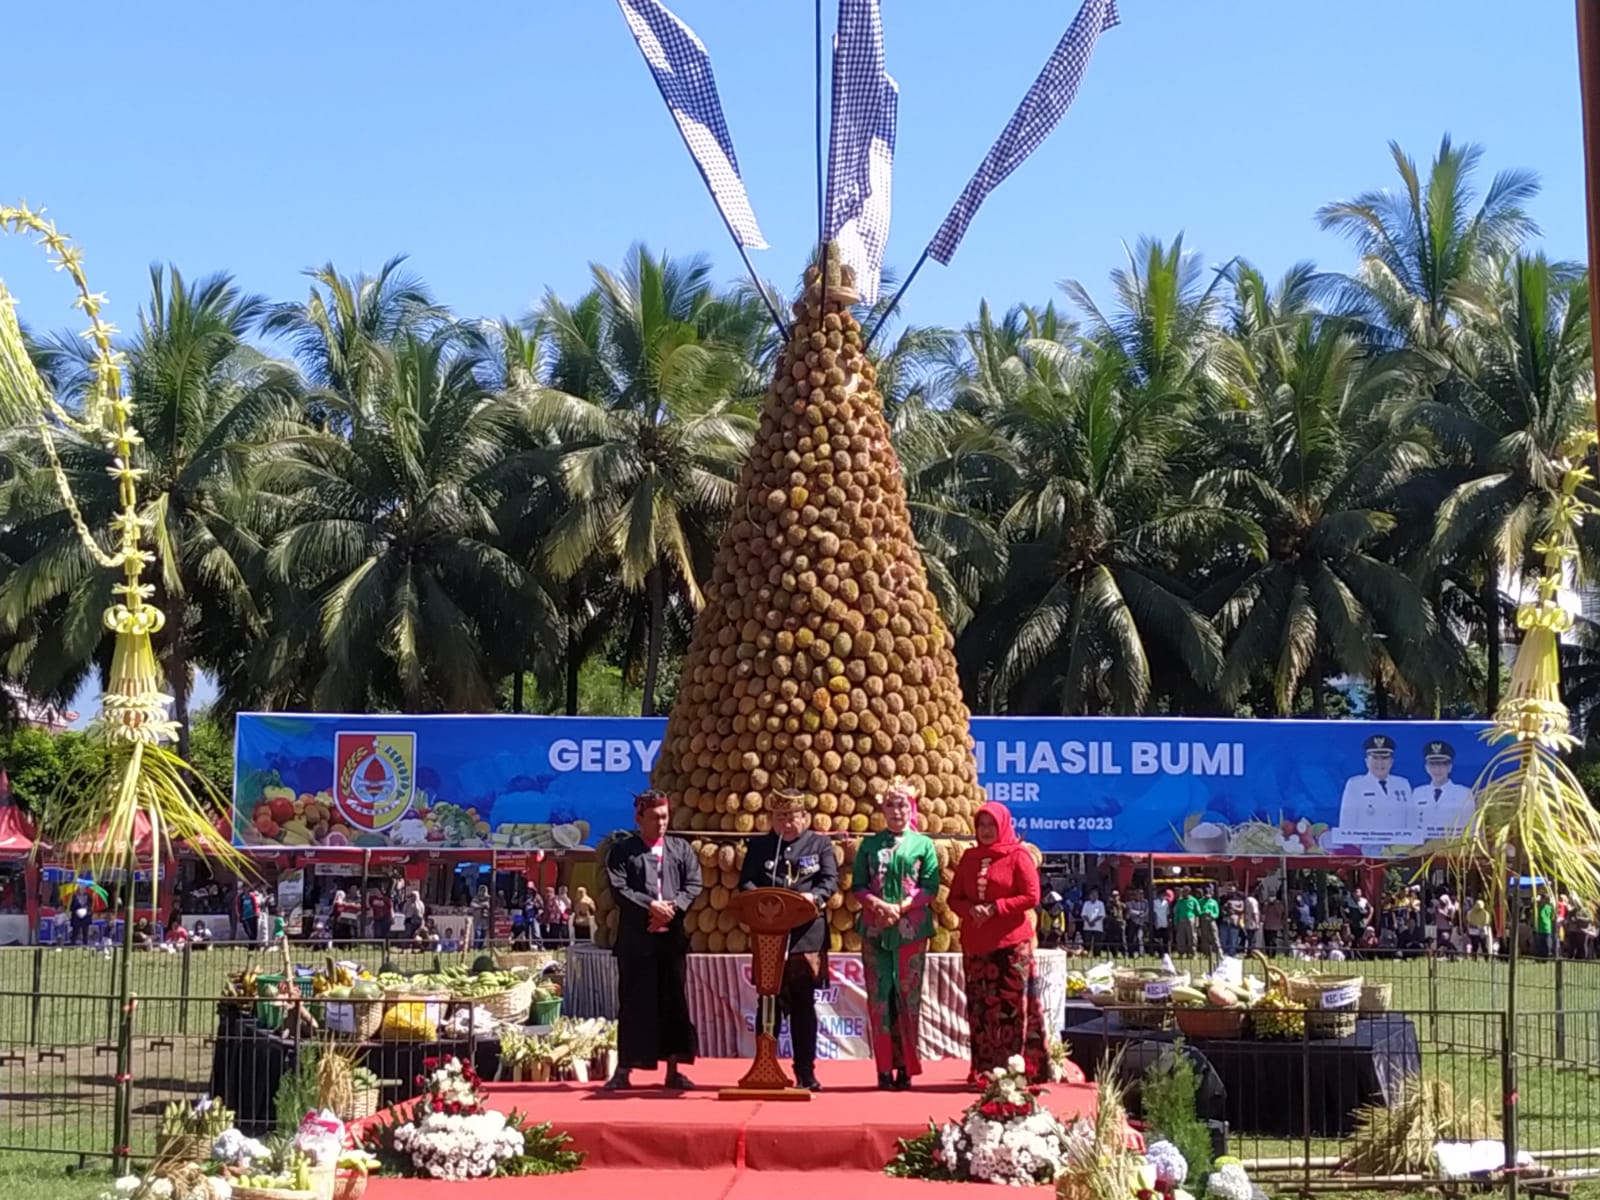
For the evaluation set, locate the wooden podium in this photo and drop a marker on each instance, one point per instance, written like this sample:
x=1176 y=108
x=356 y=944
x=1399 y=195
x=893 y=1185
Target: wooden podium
x=770 y=913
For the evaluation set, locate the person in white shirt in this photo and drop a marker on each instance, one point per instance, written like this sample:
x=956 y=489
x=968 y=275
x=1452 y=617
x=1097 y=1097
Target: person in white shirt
x=1161 y=919
x=1252 y=922
x=1094 y=920
x=1377 y=807
x=1444 y=807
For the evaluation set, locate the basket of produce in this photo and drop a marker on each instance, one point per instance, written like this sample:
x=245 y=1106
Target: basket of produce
x=184 y=1147
x=298 y=1184
x=1332 y=1003
x=1376 y=997
x=1218 y=1011
x=505 y=995
x=1144 y=998
x=355 y=1011
x=1276 y=1015
x=188 y=1131
x=521 y=960
x=546 y=1002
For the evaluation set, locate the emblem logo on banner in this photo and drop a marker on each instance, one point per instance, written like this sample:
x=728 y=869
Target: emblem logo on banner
x=376 y=777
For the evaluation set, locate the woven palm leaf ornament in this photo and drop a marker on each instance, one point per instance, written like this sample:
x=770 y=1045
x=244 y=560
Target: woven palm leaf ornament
x=1532 y=814
x=140 y=781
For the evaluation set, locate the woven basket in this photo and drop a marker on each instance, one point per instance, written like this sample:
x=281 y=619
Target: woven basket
x=185 y=1147
x=349 y=1185
x=1332 y=1003
x=246 y=1193
x=358 y=1020
x=363 y=1104
x=1376 y=997
x=510 y=960
x=510 y=1005
x=1135 y=1009
x=1215 y=1023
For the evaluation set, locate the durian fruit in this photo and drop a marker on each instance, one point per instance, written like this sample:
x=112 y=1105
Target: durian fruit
x=606 y=914
x=819 y=660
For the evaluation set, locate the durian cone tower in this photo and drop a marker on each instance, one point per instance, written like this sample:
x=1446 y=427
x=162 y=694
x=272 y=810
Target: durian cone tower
x=819 y=661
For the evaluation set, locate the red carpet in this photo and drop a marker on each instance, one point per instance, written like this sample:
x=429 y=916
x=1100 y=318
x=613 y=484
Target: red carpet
x=723 y=1183
x=666 y=1144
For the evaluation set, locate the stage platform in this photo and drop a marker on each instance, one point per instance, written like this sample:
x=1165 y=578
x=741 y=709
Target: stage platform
x=734 y=1150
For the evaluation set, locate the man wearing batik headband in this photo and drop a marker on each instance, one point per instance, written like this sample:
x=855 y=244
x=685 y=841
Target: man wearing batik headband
x=655 y=880
x=795 y=858
x=895 y=877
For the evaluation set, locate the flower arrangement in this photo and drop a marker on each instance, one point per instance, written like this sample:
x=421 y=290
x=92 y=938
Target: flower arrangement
x=233 y=1149
x=452 y=1134
x=1006 y=1137
x=187 y=1184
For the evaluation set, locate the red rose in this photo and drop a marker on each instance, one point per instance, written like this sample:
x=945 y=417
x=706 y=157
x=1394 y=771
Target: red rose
x=430 y=1064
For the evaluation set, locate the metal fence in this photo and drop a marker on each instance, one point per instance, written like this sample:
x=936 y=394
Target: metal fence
x=81 y=1076
x=1309 y=1113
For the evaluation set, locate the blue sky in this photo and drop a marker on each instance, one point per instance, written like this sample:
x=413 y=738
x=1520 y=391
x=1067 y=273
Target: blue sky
x=506 y=146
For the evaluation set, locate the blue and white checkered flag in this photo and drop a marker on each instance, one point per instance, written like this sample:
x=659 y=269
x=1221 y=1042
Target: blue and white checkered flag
x=1040 y=111
x=682 y=71
x=861 y=146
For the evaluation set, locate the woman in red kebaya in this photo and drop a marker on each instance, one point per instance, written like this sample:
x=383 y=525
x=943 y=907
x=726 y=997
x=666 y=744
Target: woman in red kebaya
x=995 y=888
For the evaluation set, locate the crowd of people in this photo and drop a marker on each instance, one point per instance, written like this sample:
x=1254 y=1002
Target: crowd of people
x=1095 y=919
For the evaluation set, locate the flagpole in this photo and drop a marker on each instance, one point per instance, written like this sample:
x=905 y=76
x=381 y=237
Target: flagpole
x=1589 y=94
x=894 y=302
x=822 y=217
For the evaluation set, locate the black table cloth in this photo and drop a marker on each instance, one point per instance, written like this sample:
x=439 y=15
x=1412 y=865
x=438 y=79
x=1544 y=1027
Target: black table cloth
x=1284 y=1088
x=248 y=1062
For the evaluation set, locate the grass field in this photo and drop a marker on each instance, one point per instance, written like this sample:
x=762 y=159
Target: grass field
x=58 y=1030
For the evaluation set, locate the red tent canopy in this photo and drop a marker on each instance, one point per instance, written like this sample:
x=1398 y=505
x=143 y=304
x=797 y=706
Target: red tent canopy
x=16 y=832
x=95 y=847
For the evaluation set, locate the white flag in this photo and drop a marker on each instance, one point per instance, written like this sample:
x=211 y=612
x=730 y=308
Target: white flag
x=866 y=103
x=682 y=71
x=1040 y=111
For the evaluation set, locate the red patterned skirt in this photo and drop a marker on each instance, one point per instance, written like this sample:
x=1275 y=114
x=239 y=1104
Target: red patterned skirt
x=1004 y=1011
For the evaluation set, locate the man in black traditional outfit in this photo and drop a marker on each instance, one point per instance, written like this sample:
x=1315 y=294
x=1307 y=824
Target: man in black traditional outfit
x=654 y=879
x=793 y=857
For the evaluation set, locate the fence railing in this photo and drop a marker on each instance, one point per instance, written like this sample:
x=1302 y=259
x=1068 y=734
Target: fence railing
x=1362 y=1111
x=81 y=1076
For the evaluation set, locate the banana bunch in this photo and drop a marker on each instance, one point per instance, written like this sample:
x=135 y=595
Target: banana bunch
x=336 y=975
x=296 y=1179
x=1275 y=1015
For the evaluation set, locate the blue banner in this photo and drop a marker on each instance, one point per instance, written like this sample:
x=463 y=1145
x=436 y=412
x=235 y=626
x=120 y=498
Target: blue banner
x=1094 y=785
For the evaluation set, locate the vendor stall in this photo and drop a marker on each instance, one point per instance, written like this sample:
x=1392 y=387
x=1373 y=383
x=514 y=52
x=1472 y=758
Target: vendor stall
x=722 y=1001
x=18 y=876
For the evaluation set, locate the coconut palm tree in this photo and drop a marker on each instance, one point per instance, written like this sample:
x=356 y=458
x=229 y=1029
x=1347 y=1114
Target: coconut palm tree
x=1087 y=601
x=389 y=523
x=342 y=333
x=1308 y=458
x=1427 y=254
x=206 y=404
x=650 y=398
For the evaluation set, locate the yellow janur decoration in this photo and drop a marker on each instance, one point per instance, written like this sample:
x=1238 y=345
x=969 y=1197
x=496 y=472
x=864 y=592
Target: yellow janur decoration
x=1533 y=815
x=97 y=819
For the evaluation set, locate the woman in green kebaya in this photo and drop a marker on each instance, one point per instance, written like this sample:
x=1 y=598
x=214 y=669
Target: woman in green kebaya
x=895 y=877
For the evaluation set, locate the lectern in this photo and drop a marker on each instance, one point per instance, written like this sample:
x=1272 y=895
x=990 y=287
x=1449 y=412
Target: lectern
x=769 y=913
